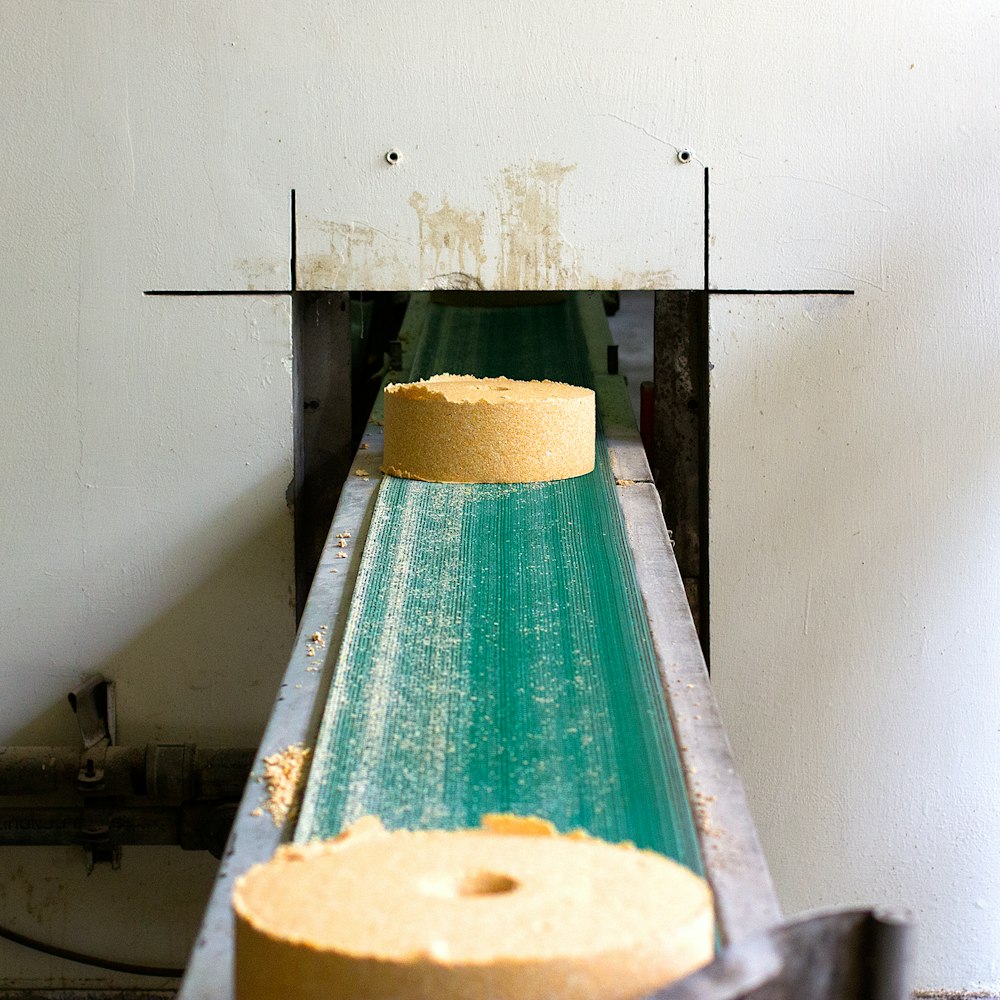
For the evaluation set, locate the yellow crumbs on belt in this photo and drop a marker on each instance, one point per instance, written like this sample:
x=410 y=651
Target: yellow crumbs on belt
x=283 y=774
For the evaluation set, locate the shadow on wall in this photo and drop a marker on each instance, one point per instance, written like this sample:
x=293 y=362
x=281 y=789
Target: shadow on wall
x=149 y=911
x=207 y=668
x=854 y=562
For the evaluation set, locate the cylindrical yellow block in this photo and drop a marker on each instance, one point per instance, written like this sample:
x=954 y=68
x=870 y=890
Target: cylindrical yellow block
x=461 y=429
x=467 y=915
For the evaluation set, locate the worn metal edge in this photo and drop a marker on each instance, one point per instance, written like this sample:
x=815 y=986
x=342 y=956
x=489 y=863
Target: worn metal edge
x=629 y=464
x=294 y=719
x=734 y=862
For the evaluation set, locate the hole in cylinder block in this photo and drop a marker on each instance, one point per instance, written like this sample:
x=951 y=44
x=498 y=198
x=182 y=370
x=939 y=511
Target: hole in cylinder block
x=483 y=883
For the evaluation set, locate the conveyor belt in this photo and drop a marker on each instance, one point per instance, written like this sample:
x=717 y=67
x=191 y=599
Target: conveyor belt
x=497 y=656
x=518 y=592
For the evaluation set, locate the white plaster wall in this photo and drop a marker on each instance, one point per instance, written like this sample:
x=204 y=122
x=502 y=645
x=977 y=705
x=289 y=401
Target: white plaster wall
x=145 y=454
x=855 y=465
x=511 y=129
x=147 y=442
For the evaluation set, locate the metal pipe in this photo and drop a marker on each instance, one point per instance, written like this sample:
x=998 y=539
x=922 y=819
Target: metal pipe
x=165 y=773
x=104 y=824
x=58 y=826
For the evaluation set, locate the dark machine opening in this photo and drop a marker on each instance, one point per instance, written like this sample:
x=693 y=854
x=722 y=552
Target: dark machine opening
x=346 y=342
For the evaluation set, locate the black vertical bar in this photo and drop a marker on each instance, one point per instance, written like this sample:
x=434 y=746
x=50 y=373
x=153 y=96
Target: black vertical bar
x=706 y=235
x=700 y=359
x=678 y=318
x=321 y=374
x=293 y=265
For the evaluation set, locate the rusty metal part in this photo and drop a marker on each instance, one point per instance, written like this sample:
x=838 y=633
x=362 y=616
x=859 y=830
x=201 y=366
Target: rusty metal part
x=165 y=773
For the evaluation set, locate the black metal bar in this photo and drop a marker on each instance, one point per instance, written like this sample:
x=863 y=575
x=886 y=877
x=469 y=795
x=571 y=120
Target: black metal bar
x=699 y=373
x=102 y=824
x=681 y=438
x=322 y=390
x=781 y=291
x=288 y=291
x=293 y=266
x=706 y=246
x=55 y=826
x=217 y=291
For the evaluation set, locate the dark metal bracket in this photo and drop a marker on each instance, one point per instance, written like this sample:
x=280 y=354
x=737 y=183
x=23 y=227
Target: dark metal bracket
x=93 y=702
x=843 y=954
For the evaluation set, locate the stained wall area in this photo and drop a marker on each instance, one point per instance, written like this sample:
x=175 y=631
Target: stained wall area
x=148 y=441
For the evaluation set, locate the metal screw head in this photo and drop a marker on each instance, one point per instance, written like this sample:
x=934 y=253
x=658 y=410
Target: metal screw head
x=392 y=156
x=684 y=155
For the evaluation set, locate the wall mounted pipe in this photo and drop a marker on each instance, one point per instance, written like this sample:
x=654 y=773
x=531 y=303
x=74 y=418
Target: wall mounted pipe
x=165 y=773
x=102 y=825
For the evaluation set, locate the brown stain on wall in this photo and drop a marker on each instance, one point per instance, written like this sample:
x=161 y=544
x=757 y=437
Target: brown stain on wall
x=636 y=281
x=360 y=257
x=263 y=272
x=451 y=239
x=533 y=253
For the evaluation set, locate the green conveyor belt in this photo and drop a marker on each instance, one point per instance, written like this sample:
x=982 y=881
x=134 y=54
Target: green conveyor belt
x=496 y=656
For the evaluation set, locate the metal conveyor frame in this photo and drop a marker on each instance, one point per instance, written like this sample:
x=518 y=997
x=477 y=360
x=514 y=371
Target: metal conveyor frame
x=733 y=859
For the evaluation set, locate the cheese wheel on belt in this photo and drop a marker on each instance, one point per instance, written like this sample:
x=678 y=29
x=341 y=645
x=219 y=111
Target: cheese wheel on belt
x=494 y=914
x=461 y=429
